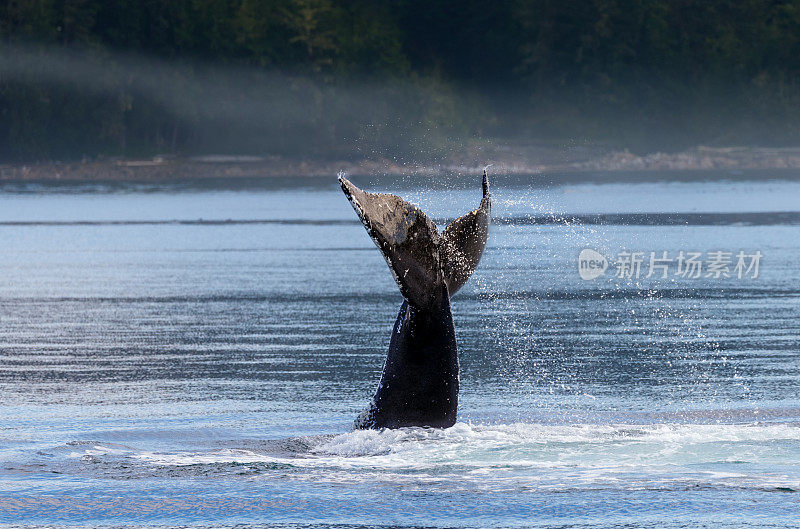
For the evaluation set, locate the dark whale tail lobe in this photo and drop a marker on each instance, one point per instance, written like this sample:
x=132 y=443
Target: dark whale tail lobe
x=420 y=259
x=463 y=242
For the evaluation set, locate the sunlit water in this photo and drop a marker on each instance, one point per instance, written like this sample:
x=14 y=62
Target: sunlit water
x=196 y=355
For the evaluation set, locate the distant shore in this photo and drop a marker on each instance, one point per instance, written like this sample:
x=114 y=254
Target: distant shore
x=511 y=160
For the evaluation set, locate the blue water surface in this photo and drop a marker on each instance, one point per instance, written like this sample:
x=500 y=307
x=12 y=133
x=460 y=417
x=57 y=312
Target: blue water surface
x=194 y=354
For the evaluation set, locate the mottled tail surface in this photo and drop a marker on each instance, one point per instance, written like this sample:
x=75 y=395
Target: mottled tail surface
x=419 y=257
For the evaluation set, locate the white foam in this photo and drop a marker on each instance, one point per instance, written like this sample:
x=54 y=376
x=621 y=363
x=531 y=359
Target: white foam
x=224 y=456
x=557 y=457
x=521 y=435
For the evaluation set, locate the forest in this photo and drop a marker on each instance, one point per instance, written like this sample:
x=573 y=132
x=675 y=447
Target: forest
x=398 y=78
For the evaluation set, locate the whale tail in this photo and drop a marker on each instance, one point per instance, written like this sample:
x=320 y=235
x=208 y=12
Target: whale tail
x=420 y=259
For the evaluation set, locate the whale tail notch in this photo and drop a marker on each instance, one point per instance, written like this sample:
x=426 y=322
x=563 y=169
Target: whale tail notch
x=420 y=259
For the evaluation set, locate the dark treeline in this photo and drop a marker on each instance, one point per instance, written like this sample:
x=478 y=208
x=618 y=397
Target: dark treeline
x=396 y=77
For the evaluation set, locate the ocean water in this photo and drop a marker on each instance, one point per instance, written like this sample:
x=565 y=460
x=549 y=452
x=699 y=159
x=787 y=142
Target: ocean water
x=194 y=354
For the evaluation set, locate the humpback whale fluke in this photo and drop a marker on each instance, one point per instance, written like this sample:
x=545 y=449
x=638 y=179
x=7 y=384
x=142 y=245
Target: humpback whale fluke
x=419 y=384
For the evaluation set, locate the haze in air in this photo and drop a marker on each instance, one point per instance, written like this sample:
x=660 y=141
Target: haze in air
x=528 y=84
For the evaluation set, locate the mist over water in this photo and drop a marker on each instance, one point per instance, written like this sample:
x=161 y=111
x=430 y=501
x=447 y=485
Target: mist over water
x=197 y=355
x=148 y=105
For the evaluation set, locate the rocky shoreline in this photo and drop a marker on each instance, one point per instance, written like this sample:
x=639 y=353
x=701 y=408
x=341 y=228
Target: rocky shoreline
x=504 y=160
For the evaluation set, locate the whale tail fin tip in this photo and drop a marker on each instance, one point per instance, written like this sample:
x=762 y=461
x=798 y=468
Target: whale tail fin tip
x=420 y=259
x=463 y=242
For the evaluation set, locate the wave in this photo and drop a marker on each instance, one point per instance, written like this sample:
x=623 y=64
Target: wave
x=745 y=218
x=477 y=456
x=370 y=442
x=588 y=294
